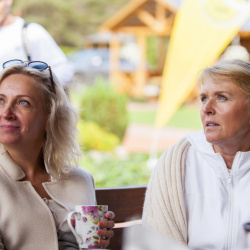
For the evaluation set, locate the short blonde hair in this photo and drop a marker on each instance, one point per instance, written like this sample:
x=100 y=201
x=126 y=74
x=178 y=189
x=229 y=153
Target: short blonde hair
x=60 y=147
x=237 y=71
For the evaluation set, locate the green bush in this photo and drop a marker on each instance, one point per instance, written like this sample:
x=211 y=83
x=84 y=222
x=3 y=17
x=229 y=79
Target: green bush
x=101 y=104
x=93 y=136
x=112 y=171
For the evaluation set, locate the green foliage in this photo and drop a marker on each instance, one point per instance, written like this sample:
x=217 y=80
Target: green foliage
x=112 y=171
x=67 y=50
x=68 y=21
x=152 y=48
x=101 y=104
x=93 y=136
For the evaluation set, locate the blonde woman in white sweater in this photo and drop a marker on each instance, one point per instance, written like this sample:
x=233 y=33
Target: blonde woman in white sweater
x=199 y=191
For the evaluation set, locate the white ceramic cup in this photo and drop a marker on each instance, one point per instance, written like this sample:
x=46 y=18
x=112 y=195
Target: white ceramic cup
x=86 y=224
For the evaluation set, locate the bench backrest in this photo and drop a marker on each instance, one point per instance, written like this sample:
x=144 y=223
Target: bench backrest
x=126 y=203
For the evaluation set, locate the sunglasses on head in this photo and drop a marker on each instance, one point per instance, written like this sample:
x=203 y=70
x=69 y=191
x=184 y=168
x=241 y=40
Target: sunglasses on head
x=31 y=64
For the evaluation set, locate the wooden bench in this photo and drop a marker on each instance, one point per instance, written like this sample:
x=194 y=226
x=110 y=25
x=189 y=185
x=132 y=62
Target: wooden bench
x=126 y=203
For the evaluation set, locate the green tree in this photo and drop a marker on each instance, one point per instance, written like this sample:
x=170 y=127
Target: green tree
x=68 y=21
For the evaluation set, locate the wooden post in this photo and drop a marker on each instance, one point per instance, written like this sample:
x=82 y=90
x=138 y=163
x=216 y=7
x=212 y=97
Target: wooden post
x=141 y=73
x=161 y=53
x=114 y=60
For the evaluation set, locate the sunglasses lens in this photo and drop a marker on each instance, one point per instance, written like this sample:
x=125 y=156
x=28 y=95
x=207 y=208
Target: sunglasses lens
x=38 y=65
x=12 y=63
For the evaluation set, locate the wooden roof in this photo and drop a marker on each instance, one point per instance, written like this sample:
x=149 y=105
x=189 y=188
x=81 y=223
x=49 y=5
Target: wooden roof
x=151 y=16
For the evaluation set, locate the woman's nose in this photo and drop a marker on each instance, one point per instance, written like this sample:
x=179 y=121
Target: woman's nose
x=8 y=112
x=208 y=107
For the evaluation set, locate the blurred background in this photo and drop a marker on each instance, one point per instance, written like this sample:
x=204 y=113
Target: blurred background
x=128 y=55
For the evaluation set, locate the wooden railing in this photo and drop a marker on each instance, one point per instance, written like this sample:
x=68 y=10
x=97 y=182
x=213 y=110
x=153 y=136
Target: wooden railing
x=126 y=203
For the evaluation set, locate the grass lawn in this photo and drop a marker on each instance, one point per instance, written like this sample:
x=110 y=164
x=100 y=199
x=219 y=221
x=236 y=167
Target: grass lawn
x=185 y=117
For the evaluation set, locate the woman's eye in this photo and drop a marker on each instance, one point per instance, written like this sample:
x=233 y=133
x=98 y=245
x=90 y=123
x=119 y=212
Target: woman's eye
x=222 y=98
x=1 y=100
x=23 y=102
x=203 y=99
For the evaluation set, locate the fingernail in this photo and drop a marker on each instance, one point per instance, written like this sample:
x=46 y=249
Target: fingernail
x=100 y=224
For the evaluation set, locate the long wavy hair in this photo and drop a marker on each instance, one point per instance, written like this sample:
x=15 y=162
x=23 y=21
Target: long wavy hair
x=60 y=148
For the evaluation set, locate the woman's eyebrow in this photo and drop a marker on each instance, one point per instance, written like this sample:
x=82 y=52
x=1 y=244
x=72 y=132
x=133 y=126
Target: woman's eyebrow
x=218 y=92
x=222 y=92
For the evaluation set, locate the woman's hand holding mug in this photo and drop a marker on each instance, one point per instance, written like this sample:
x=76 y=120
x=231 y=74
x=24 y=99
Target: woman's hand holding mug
x=108 y=224
x=92 y=225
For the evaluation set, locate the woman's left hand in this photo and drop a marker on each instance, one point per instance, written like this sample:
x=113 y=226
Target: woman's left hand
x=106 y=224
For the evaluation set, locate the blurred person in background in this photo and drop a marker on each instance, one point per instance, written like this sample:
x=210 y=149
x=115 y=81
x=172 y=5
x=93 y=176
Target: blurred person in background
x=199 y=191
x=19 y=42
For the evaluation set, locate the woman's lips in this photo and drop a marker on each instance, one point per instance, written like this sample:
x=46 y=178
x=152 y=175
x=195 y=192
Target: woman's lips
x=9 y=128
x=211 y=124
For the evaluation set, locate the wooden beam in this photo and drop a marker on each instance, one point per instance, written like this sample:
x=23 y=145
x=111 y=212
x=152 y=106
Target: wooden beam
x=135 y=29
x=244 y=34
x=120 y=15
x=160 y=12
x=149 y=20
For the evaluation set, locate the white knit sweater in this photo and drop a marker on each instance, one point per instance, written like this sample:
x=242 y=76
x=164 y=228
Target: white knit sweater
x=164 y=208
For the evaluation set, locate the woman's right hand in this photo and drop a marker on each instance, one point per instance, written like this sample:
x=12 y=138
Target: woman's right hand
x=106 y=224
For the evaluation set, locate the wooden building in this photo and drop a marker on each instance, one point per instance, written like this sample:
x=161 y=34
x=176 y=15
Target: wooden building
x=143 y=18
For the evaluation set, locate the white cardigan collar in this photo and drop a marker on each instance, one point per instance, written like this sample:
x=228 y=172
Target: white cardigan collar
x=9 y=166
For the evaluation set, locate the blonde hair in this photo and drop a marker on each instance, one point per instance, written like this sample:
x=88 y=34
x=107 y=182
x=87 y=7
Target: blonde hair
x=60 y=147
x=237 y=71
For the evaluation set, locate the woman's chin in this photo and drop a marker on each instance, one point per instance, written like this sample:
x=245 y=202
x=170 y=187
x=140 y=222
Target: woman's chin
x=9 y=141
x=212 y=139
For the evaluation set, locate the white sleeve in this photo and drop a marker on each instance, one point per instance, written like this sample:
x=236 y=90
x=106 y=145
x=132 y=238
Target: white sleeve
x=42 y=47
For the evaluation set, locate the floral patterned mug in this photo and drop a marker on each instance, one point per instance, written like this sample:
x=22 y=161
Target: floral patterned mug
x=86 y=224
